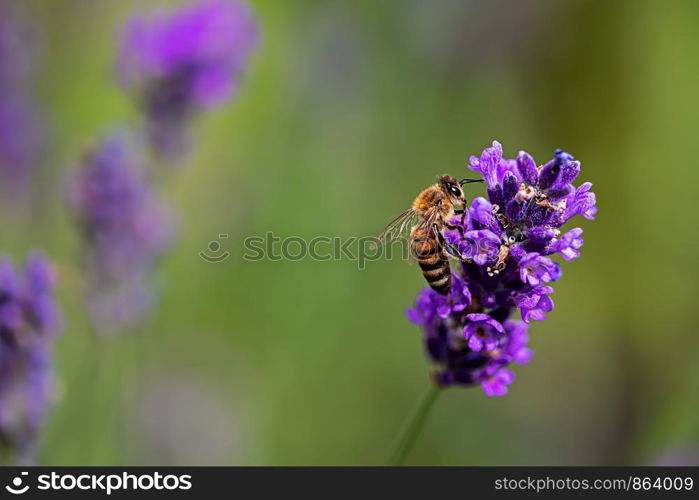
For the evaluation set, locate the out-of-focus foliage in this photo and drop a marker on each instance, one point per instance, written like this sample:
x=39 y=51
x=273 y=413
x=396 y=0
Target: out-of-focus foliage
x=346 y=111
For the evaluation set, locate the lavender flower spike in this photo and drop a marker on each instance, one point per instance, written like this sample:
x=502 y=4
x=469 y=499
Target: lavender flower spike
x=29 y=322
x=20 y=130
x=176 y=64
x=506 y=244
x=124 y=228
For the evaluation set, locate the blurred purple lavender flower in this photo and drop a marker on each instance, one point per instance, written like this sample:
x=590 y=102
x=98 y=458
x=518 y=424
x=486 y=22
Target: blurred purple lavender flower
x=505 y=242
x=15 y=48
x=29 y=321
x=182 y=62
x=19 y=139
x=20 y=132
x=124 y=229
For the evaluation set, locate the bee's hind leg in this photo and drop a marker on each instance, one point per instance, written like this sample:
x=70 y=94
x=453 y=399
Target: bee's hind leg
x=451 y=250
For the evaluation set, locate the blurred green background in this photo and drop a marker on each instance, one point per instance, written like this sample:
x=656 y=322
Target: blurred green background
x=347 y=110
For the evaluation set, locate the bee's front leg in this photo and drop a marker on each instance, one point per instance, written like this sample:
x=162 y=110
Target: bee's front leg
x=450 y=248
x=462 y=213
x=460 y=229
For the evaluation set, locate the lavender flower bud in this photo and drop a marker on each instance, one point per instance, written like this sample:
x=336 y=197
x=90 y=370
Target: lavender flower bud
x=569 y=171
x=510 y=187
x=527 y=168
x=550 y=174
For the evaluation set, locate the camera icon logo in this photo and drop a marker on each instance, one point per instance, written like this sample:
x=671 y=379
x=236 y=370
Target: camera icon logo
x=16 y=487
x=213 y=253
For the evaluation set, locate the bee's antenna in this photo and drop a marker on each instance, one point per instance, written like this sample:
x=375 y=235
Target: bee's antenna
x=469 y=181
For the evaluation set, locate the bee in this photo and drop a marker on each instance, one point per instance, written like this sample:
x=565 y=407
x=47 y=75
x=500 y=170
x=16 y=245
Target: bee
x=428 y=216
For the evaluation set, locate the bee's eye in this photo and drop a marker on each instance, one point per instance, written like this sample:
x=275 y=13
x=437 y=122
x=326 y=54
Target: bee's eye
x=455 y=191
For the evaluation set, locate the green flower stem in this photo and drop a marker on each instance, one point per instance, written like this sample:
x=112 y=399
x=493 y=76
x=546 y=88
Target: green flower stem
x=414 y=427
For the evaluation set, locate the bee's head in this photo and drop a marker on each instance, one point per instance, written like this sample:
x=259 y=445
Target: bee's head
x=452 y=188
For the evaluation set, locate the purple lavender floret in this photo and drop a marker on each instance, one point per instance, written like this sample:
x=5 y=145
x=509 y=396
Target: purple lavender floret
x=124 y=229
x=185 y=61
x=29 y=322
x=506 y=244
x=482 y=332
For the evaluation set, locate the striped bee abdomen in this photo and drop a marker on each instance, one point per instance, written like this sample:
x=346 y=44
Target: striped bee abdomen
x=433 y=261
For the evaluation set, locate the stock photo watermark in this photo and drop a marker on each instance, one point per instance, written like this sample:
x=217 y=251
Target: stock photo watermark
x=359 y=249
x=214 y=252
x=275 y=248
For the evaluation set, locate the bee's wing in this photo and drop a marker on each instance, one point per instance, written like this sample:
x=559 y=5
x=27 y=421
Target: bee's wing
x=428 y=225
x=425 y=227
x=397 y=227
